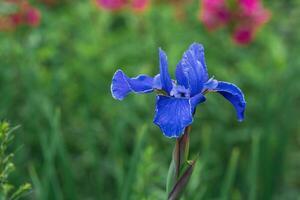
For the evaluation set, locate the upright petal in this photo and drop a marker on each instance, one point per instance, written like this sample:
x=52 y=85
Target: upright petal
x=233 y=94
x=172 y=115
x=191 y=71
x=122 y=85
x=165 y=78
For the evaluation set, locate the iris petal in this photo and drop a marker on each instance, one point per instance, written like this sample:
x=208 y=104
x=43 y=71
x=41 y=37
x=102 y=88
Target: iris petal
x=122 y=85
x=172 y=115
x=234 y=95
x=195 y=100
x=191 y=71
x=165 y=78
x=211 y=84
x=157 y=82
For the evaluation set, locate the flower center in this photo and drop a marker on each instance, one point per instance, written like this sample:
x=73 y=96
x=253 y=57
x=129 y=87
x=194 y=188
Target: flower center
x=179 y=91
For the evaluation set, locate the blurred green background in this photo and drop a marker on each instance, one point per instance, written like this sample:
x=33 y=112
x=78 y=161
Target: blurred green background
x=77 y=142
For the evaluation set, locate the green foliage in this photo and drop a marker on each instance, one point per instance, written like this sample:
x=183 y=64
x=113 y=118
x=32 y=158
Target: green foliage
x=79 y=143
x=8 y=191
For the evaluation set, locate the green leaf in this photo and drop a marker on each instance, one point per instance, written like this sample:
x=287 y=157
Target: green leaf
x=230 y=174
x=171 y=177
x=22 y=190
x=182 y=182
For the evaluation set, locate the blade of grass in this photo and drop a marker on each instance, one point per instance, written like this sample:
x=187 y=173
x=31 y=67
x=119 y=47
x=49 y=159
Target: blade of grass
x=129 y=179
x=37 y=185
x=253 y=166
x=230 y=174
x=67 y=179
x=52 y=180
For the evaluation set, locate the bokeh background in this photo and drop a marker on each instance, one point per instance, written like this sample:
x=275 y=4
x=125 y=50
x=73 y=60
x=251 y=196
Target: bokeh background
x=77 y=142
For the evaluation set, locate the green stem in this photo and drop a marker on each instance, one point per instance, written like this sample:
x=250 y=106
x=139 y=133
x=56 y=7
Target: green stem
x=181 y=151
x=180 y=168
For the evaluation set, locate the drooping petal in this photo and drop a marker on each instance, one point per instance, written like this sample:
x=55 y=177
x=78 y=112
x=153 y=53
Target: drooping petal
x=195 y=100
x=234 y=95
x=172 y=115
x=122 y=85
x=191 y=71
x=165 y=78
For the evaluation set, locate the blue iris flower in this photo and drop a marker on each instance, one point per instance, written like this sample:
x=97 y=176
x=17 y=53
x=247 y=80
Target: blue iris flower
x=176 y=100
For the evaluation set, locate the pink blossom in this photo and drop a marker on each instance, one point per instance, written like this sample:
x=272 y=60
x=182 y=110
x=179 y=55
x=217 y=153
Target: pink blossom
x=244 y=18
x=24 y=15
x=112 y=4
x=250 y=17
x=116 y=5
x=242 y=35
x=214 y=13
x=249 y=6
x=33 y=17
x=253 y=10
x=16 y=19
x=139 y=5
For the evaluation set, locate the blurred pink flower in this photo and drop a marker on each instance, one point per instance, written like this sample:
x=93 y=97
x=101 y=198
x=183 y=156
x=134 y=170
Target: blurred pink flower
x=139 y=5
x=249 y=6
x=16 y=19
x=116 y=5
x=253 y=11
x=244 y=20
x=33 y=16
x=112 y=4
x=242 y=35
x=214 y=13
x=250 y=17
x=25 y=14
